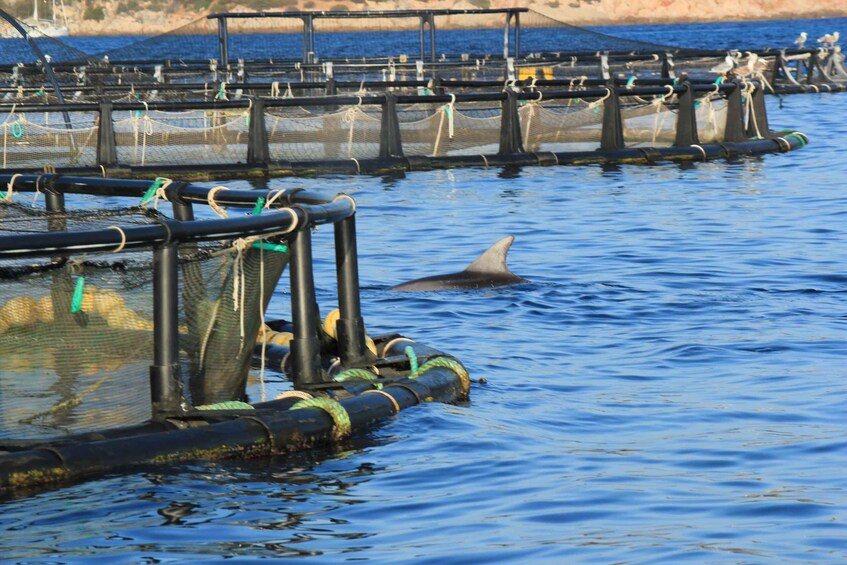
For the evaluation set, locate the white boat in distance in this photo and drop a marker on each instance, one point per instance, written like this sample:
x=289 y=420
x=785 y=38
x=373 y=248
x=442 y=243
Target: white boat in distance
x=48 y=27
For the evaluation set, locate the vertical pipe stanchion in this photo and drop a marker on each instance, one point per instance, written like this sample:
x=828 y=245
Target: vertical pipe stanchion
x=164 y=373
x=305 y=347
x=437 y=85
x=350 y=327
x=758 y=123
x=431 y=18
x=308 y=39
x=511 y=140
x=107 y=152
x=506 y=32
x=778 y=66
x=258 y=151
x=605 y=73
x=390 y=143
x=61 y=287
x=331 y=87
x=517 y=35
x=422 y=24
x=223 y=41
x=311 y=40
x=811 y=65
x=734 y=130
x=668 y=66
x=54 y=201
x=686 y=119
x=611 y=137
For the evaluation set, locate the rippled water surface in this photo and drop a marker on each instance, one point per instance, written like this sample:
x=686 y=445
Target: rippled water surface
x=669 y=387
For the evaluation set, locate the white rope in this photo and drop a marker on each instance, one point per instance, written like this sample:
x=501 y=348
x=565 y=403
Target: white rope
x=599 y=101
x=120 y=247
x=10 y=187
x=216 y=208
x=703 y=151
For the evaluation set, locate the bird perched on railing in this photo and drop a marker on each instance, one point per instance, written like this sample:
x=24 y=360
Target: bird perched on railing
x=724 y=67
x=801 y=40
x=749 y=66
x=829 y=39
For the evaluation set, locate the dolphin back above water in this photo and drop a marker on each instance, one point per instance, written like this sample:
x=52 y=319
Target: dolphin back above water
x=489 y=270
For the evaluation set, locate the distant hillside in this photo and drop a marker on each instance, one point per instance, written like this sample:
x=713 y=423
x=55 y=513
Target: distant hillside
x=127 y=17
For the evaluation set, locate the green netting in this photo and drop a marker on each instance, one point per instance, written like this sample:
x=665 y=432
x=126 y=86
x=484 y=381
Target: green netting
x=77 y=333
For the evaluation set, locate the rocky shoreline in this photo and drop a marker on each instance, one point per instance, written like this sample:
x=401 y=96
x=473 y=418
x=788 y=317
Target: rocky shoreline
x=118 y=21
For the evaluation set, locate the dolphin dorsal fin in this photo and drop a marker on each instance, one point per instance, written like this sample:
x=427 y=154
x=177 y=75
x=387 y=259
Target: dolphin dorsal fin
x=493 y=259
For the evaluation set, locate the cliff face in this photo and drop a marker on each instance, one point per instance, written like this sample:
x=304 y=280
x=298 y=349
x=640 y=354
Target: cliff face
x=129 y=17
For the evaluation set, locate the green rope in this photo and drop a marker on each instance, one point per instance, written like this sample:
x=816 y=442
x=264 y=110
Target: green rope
x=271 y=246
x=17 y=130
x=447 y=363
x=799 y=137
x=630 y=82
x=413 y=358
x=151 y=192
x=358 y=374
x=354 y=374
x=229 y=405
x=79 y=290
x=339 y=415
x=257 y=209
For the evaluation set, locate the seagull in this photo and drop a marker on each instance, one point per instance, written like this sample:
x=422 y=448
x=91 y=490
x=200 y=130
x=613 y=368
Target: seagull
x=801 y=40
x=749 y=67
x=829 y=39
x=722 y=68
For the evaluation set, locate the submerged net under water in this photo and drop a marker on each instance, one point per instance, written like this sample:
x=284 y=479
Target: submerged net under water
x=77 y=333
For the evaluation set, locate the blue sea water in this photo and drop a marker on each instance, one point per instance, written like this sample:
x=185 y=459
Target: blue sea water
x=669 y=387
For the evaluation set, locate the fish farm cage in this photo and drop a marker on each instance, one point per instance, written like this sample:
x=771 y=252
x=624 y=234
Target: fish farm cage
x=302 y=93
x=135 y=337
x=262 y=48
x=375 y=133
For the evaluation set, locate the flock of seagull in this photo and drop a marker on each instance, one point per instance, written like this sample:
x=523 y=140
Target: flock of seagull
x=828 y=40
x=754 y=66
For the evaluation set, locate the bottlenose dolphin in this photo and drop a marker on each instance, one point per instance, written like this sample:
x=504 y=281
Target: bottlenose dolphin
x=487 y=271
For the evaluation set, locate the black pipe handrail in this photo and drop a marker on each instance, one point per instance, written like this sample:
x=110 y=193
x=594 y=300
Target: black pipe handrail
x=302 y=216
x=365 y=13
x=379 y=99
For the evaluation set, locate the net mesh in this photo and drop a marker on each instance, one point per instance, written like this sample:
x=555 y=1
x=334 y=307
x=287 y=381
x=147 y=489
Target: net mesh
x=296 y=133
x=189 y=137
x=40 y=138
x=450 y=129
x=77 y=334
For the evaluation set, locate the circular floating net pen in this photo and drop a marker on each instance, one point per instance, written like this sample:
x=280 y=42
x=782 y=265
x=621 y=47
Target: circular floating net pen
x=133 y=330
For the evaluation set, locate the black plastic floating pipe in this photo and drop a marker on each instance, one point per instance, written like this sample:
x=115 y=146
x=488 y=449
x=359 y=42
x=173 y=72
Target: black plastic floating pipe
x=269 y=429
x=511 y=141
x=390 y=143
x=612 y=135
x=734 y=130
x=350 y=327
x=164 y=373
x=686 y=119
x=107 y=151
x=257 y=140
x=306 y=368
